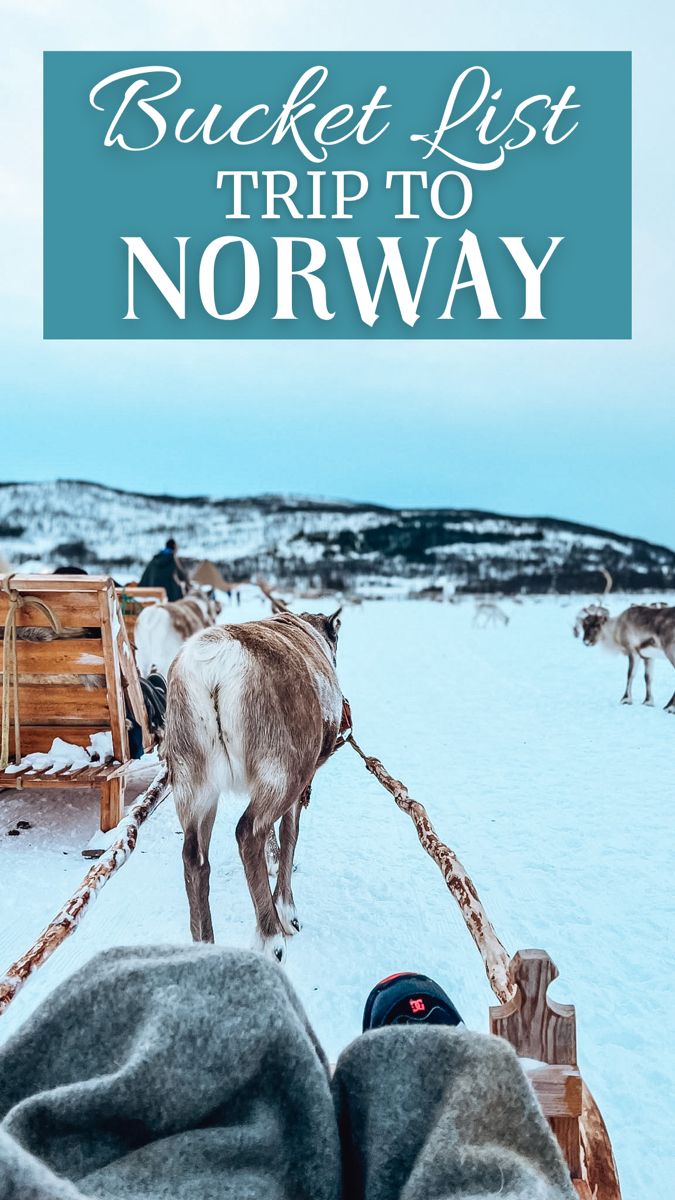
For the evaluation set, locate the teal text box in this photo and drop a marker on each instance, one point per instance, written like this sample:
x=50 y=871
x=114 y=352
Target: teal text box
x=96 y=194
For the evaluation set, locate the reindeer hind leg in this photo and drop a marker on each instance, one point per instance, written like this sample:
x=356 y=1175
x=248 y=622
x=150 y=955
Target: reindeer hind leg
x=272 y=853
x=252 y=837
x=283 y=892
x=197 y=829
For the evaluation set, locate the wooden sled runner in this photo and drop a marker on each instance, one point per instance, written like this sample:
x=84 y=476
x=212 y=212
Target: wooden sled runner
x=72 y=686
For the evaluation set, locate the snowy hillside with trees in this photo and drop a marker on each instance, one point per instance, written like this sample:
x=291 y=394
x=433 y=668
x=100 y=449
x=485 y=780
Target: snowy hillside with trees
x=297 y=541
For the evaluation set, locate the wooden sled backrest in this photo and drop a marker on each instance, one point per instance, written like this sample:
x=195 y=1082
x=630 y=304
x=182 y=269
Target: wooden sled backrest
x=543 y=1030
x=73 y=686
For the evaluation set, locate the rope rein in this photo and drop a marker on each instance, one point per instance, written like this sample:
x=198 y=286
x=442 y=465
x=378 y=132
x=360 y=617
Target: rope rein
x=495 y=958
x=9 y=708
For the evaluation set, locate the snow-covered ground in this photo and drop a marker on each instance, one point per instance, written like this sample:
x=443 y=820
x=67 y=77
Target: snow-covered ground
x=557 y=799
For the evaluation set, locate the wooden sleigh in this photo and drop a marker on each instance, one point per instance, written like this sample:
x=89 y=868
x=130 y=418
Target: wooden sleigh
x=133 y=599
x=80 y=683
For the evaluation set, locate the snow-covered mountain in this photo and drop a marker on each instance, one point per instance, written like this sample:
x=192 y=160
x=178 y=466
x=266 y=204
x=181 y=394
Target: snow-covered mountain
x=321 y=543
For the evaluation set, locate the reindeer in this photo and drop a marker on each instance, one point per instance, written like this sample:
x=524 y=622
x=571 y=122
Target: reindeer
x=641 y=632
x=252 y=709
x=161 y=629
x=489 y=613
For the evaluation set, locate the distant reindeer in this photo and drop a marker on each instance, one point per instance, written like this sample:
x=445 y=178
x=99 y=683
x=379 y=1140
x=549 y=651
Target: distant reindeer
x=489 y=613
x=641 y=632
x=252 y=709
x=161 y=629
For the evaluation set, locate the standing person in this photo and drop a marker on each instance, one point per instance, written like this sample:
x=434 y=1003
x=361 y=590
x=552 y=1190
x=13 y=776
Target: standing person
x=164 y=570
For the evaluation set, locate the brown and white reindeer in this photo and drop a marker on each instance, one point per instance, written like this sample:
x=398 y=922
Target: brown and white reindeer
x=161 y=629
x=642 y=632
x=253 y=709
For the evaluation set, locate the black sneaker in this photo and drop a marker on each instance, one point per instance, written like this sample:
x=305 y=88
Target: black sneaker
x=408 y=999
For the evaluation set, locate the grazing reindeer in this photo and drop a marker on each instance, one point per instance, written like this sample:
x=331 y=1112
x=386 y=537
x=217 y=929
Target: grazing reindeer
x=489 y=613
x=161 y=629
x=642 y=631
x=252 y=708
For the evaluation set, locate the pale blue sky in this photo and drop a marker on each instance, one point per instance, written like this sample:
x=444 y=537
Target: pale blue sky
x=576 y=429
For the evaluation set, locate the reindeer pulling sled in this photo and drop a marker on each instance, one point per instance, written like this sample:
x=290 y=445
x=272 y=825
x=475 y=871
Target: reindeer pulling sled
x=536 y=1027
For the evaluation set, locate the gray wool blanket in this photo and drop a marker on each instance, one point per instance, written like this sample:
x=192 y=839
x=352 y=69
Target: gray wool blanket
x=192 y=1073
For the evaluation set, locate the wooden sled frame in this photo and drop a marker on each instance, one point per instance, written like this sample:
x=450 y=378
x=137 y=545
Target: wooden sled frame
x=540 y=1029
x=133 y=599
x=48 y=709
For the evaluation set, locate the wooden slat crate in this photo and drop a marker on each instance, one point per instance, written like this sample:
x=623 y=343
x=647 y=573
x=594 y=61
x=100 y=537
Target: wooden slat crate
x=76 y=685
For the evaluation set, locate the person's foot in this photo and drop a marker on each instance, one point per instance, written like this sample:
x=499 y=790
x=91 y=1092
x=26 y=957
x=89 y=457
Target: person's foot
x=408 y=999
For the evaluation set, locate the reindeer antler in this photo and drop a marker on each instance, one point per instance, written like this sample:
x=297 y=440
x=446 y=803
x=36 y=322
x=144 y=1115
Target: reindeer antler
x=598 y=609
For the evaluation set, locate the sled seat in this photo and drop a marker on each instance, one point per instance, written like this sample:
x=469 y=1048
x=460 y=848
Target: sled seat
x=80 y=682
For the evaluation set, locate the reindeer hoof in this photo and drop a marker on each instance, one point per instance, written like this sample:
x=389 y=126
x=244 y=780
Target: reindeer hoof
x=273 y=948
x=626 y=700
x=648 y=703
x=290 y=922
